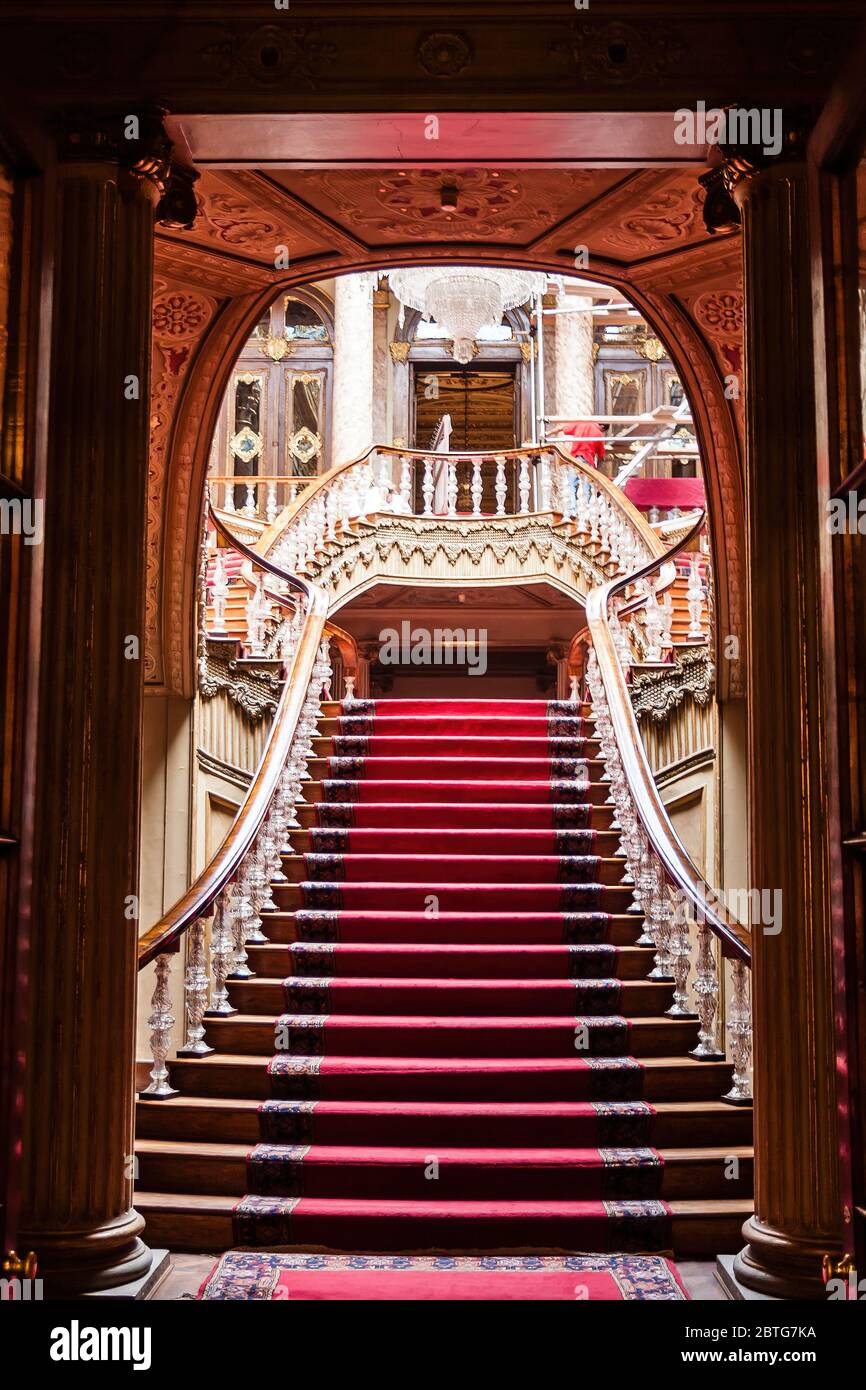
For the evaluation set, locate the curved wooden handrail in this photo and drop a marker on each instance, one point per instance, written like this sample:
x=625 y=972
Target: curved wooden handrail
x=275 y=529
x=734 y=938
x=200 y=896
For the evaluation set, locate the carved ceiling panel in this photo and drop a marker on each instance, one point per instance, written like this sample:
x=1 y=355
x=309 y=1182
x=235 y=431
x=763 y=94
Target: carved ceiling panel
x=397 y=205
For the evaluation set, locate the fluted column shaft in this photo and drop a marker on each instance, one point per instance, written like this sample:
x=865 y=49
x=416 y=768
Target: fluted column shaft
x=796 y=1217
x=77 y=1209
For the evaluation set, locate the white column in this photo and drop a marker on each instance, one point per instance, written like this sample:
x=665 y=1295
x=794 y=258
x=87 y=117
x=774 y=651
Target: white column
x=381 y=366
x=575 y=394
x=352 y=421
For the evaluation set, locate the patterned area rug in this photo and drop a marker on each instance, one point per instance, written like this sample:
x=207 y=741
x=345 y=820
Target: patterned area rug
x=243 y=1275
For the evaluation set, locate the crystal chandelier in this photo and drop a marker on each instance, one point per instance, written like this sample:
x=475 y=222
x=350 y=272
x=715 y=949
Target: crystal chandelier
x=464 y=299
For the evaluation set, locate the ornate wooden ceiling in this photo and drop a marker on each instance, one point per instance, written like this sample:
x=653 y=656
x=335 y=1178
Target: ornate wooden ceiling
x=321 y=222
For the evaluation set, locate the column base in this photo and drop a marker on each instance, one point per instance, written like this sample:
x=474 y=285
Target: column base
x=737 y=1292
x=73 y=1262
x=779 y=1265
x=139 y=1290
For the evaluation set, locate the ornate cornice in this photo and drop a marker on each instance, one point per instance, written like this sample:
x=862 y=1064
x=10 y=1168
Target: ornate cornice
x=439 y=550
x=725 y=183
x=255 y=689
x=658 y=693
x=135 y=140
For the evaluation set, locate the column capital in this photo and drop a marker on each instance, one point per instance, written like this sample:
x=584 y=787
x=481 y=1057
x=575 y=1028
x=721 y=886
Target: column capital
x=740 y=164
x=136 y=141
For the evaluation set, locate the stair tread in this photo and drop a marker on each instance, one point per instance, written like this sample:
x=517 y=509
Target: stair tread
x=225 y=1103
x=413 y=1153
x=260 y=1060
x=181 y=1202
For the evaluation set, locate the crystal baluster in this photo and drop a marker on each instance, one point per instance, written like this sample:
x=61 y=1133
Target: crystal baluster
x=706 y=988
x=222 y=958
x=740 y=1036
x=160 y=1022
x=196 y=990
x=681 y=958
x=501 y=487
x=477 y=487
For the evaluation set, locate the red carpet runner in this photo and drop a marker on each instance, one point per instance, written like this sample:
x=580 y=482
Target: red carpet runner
x=453 y=1068
x=587 y=1278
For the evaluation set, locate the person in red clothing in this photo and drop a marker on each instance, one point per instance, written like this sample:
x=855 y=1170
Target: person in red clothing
x=588 y=441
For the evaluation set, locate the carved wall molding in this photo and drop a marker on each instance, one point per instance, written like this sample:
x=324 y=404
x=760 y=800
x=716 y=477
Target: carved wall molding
x=208 y=763
x=658 y=693
x=436 y=551
x=180 y=318
x=253 y=688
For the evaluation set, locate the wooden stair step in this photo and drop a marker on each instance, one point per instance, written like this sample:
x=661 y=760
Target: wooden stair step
x=216 y=1119
x=700 y=1228
x=445 y=998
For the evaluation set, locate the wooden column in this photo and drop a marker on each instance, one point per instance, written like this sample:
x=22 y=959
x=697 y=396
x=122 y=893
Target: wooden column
x=77 y=1209
x=796 y=1219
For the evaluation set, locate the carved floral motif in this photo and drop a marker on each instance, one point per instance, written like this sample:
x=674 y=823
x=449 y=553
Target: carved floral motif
x=271 y=56
x=254 y=689
x=444 y=54
x=659 y=693
x=620 y=53
x=720 y=313
x=178 y=315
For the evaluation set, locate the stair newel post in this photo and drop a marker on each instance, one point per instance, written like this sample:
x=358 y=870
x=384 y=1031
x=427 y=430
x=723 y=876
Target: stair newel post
x=477 y=487
x=523 y=485
x=222 y=957
x=196 y=990
x=706 y=989
x=739 y=1026
x=160 y=1023
x=501 y=486
x=681 y=957
x=427 y=488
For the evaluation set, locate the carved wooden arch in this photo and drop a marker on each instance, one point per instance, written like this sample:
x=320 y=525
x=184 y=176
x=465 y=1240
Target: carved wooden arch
x=186 y=465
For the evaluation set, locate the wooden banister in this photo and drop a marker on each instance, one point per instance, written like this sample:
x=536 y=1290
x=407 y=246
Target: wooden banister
x=708 y=906
x=199 y=898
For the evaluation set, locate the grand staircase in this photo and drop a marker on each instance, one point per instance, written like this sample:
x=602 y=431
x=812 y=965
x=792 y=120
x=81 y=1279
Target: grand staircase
x=450 y=1042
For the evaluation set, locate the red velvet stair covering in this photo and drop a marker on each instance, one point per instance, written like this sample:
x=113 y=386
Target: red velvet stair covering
x=453 y=1069
x=242 y=1275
